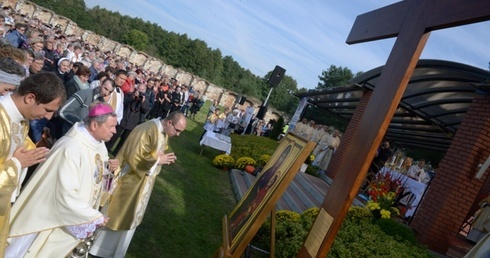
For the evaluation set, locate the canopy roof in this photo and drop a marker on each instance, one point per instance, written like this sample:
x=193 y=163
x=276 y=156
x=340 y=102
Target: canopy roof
x=431 y=109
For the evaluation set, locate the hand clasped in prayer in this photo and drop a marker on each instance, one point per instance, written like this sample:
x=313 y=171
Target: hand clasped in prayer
x=166 y=159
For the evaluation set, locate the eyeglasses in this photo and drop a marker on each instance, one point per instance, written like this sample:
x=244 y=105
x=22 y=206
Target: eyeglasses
x=176 y=130
x=110 y=91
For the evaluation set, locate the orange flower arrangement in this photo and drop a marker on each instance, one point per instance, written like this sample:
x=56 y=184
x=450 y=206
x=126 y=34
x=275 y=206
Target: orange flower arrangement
x=383 y=191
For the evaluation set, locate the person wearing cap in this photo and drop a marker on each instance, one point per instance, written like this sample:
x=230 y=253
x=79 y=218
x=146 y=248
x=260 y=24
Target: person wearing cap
x=141 y=159
x=66 y=191
x=38 y=96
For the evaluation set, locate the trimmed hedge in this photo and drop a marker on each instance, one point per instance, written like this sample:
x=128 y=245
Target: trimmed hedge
x=251 y=146
x=359 y=236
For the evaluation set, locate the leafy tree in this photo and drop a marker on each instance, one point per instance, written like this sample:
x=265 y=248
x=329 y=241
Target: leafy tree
x=136 y=38
x=334 y=76
x=282 y=96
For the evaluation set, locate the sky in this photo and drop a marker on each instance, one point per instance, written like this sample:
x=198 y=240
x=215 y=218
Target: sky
x=303 y=37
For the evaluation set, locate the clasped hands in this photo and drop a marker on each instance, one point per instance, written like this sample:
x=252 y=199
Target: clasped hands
x=166 y=159
x=28 y=158
x=112 y=165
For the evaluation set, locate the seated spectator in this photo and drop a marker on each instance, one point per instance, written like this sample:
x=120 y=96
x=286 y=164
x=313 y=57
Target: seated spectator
x=49 y=56
x=78 y=82
x=95 y=68
x=407 y=163
x=37 y=64
x=11 y=73
x=418 y=173
x=16 y=36
x=62 y=69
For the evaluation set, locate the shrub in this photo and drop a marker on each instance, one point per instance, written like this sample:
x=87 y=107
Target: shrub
x=251 y=146
x=397 y=230
x=224 y=161
x=243 y=161
x=359 y=213
x=289 y=234
x=284 y=215
x=359 y=236
x=308 y=217
x=312 y=170
x=264 y=158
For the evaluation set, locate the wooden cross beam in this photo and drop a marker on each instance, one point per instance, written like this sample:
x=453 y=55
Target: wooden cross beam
x=411 y=22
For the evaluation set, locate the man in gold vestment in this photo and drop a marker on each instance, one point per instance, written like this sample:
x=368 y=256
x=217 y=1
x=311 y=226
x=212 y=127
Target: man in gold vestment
x=38 y=96
x=141 y=158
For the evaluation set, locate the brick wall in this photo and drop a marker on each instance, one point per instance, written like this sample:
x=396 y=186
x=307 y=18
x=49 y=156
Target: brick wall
x=347 y=135
x=454 y=189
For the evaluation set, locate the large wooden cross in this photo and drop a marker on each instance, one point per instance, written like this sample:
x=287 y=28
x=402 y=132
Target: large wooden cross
x=411 y=21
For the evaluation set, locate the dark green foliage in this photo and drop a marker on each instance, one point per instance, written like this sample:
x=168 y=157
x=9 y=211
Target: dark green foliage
x=308 y=217
x=397 y=230
x=251 y=146
x=135 y=38
x=334 y=76
x=358 y=214
x=358 y=236
x=289 y=234
x=277 y=129
x=312 y=170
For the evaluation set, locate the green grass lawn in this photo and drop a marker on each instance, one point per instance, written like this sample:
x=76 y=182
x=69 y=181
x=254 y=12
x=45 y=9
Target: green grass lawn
x=189 y=200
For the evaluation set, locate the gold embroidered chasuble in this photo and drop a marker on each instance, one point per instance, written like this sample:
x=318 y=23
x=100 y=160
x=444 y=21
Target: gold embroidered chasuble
x=9 y=170
x=138 y=159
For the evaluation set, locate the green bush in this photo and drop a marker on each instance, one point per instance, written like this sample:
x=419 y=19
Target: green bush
x=359 y=236
x=243 y=161
x=359 y=213
x=264 y=158
x=251 y=146
x=308 y=217
x=312 y=170
x=397 y=230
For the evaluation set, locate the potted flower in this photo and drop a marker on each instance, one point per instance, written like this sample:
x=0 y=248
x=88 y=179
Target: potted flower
x=246 y=163
x=224 y=161
x=307 y=162
x=263 y=159
x=383 y=191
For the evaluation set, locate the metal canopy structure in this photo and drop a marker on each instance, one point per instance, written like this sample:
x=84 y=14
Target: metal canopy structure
x=431 y=109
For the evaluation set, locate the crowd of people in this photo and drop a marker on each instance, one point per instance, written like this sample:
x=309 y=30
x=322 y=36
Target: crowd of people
x=385 y=157
x=65 y=107
x=327 y=140
x=79 y=124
